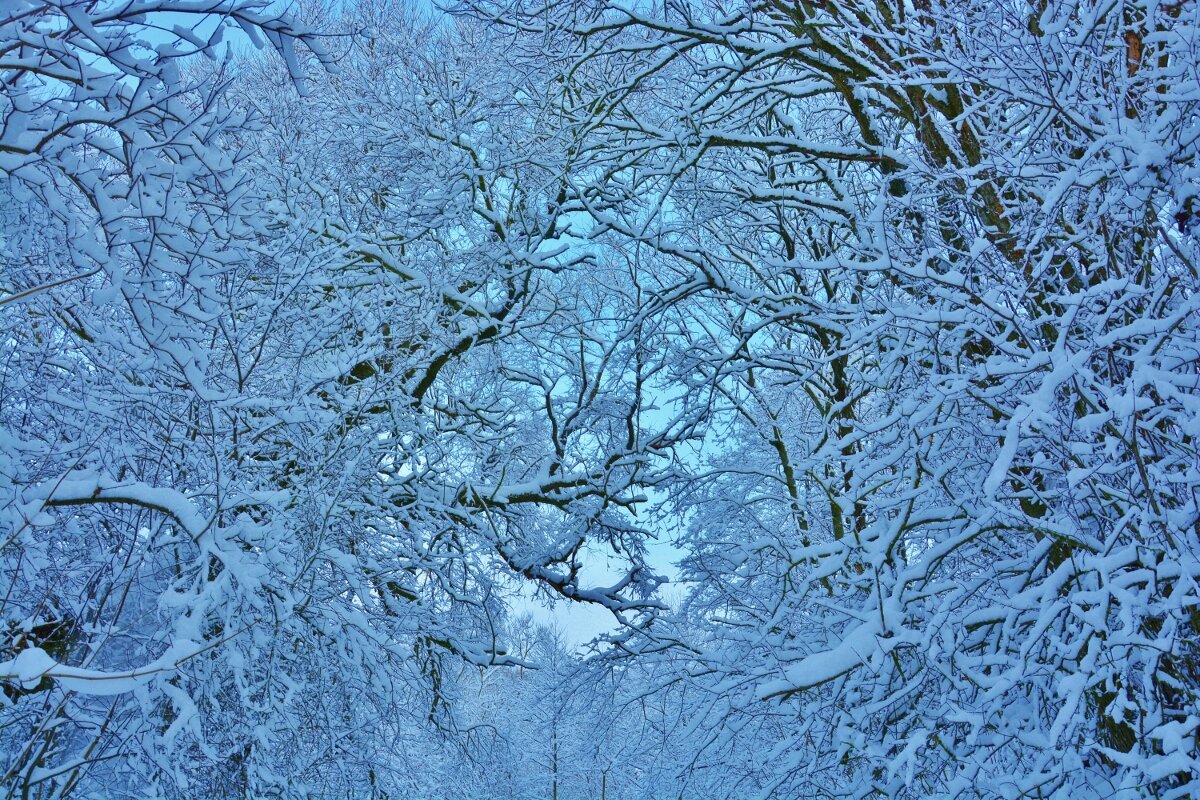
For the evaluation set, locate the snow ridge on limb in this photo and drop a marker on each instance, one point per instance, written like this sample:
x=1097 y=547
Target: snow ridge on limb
x=33 y=665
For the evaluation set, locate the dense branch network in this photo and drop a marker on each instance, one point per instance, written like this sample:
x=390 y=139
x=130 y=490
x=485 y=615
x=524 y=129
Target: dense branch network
x=879 y=319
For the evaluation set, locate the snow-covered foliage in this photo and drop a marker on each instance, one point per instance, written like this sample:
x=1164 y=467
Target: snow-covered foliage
x=936 y=272
x=885 y=315
x=265 y=467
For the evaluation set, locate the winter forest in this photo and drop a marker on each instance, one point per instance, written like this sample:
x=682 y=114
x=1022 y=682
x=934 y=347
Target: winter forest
x=600 y=399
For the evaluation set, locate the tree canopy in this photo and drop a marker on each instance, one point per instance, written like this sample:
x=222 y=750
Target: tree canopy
x=338 y=339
